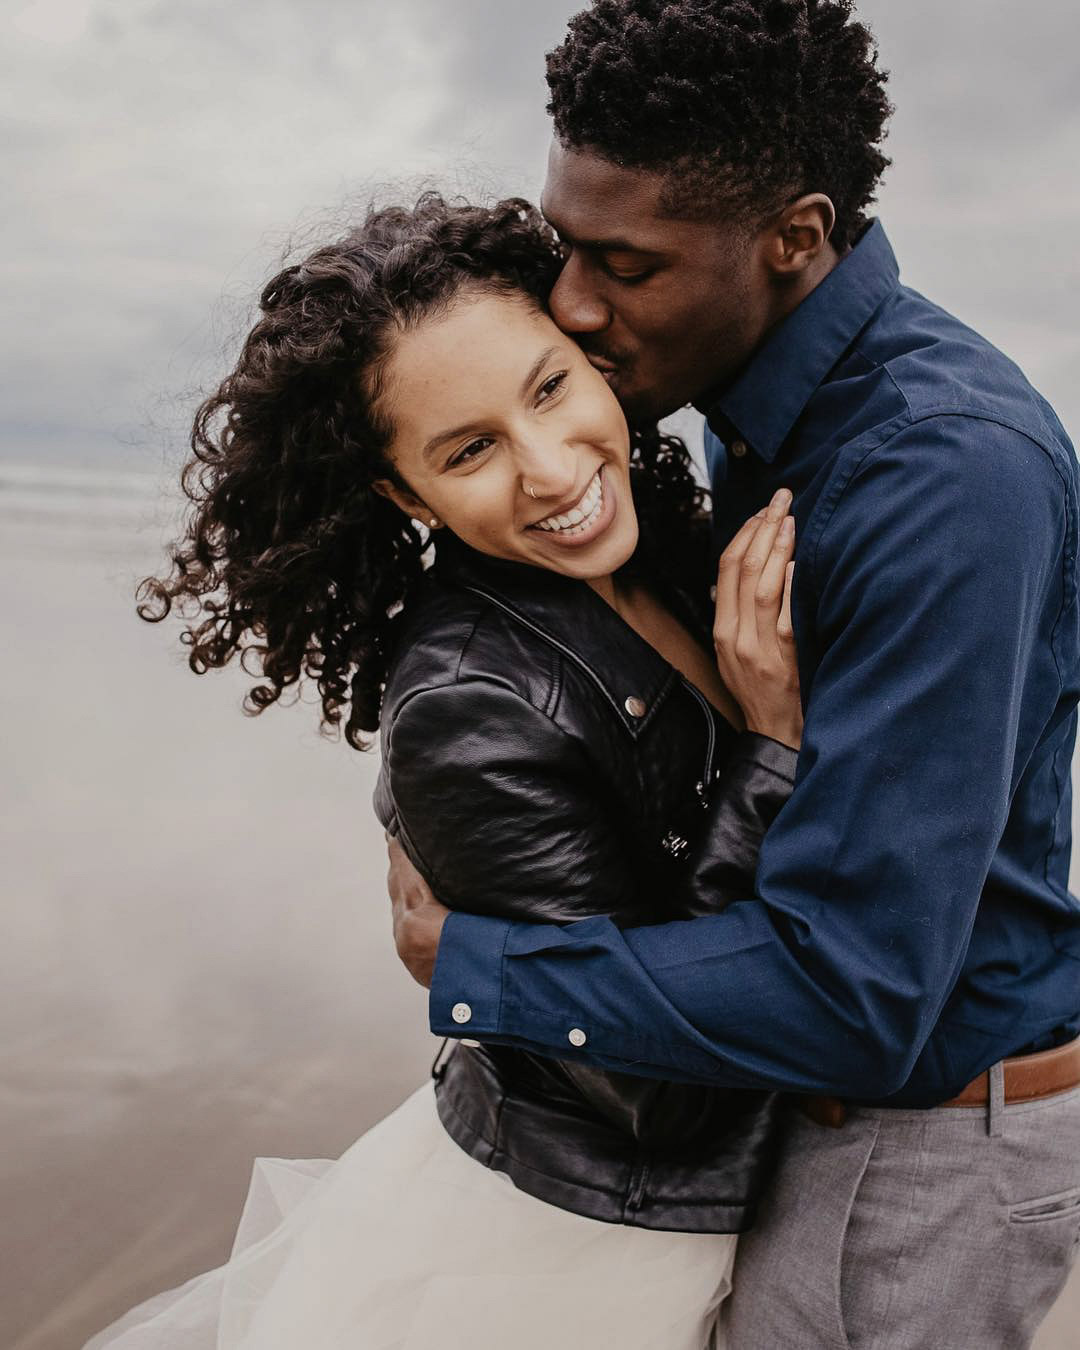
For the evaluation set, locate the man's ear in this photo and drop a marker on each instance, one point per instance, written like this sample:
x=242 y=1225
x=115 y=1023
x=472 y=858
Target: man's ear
x=404 y=500
x=800 y=234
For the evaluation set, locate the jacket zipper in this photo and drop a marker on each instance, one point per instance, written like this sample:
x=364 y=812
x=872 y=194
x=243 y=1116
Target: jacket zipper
x=639 y=1178
x=568 y=652
x=702 y=788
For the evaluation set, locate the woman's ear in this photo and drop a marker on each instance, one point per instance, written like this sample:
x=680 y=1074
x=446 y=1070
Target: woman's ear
x=413 y=507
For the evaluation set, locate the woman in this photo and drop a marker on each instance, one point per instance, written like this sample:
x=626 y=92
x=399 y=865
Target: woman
x=557 y=743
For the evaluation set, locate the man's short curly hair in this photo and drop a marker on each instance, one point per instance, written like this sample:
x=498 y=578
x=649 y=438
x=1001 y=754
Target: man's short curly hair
x=743 y=105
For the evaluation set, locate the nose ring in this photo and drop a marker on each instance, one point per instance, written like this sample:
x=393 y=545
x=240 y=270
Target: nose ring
x=531 y=492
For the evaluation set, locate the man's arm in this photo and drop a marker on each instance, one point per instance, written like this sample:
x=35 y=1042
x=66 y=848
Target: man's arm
x=939 y=575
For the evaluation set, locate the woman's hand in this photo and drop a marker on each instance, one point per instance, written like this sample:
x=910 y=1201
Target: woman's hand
x=755 y=646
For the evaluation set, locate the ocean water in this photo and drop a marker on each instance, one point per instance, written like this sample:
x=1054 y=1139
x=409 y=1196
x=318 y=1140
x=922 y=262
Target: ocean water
x=196 y=964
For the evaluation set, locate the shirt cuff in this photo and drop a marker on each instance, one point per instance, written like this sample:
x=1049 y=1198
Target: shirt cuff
x=466 y=987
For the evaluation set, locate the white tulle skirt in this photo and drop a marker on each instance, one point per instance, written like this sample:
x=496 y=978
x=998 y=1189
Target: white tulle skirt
x=406 y=1243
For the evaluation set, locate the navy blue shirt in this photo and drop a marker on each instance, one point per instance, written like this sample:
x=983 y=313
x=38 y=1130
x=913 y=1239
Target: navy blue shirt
x=912 y=922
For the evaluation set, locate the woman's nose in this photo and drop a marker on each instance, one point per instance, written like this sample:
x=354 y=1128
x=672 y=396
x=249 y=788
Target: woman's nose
x=574 y=302
x=548 y=469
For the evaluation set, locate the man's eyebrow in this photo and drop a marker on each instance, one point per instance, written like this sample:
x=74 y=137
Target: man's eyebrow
x=608 y=245
x=613 y=245
x=441 y=437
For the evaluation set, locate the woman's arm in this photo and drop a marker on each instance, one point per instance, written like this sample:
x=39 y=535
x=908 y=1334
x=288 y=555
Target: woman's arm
x=499 y=808
x=502 y=813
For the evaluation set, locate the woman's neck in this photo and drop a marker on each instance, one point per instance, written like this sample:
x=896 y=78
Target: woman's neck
x=637 y=607
x=606 y=588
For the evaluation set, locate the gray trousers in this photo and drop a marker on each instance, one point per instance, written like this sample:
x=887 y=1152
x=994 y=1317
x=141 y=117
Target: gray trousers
x=951 y=1229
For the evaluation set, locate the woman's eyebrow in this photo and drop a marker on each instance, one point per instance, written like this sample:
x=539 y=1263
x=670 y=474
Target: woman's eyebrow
x=535 y=369
x=441 y=437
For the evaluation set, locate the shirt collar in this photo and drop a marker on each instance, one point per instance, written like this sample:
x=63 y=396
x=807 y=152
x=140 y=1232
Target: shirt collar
x=766 y=400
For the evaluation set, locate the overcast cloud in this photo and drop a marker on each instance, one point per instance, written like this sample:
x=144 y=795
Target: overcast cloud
x=157 y=156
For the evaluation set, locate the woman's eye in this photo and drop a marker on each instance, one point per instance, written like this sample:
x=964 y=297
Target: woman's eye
x=551 y=387
x=471 y=450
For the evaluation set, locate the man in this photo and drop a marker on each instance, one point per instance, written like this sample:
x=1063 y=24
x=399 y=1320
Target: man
x=910 y=962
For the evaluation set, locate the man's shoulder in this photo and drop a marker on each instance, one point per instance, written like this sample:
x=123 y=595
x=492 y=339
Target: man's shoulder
x=940 y=367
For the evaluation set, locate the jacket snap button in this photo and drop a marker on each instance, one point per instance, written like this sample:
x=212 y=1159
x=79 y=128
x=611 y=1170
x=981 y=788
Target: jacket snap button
x=738 y=449
x=635 y=707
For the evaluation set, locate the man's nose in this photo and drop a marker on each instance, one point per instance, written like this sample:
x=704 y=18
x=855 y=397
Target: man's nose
x=574 y=303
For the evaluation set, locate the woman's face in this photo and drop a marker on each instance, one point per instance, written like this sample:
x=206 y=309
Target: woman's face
x=506 y=434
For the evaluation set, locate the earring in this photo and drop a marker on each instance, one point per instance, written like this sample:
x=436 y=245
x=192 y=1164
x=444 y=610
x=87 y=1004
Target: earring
x=433 y=523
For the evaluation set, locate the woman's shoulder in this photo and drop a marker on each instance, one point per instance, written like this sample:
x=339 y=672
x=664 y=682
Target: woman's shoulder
x=453 y=636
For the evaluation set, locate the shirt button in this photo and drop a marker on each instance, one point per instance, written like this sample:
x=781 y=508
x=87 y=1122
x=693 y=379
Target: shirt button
x=635 y=707
x=577 y=1037
x=461 y=1012
x=738 y=449
x=472 y=1045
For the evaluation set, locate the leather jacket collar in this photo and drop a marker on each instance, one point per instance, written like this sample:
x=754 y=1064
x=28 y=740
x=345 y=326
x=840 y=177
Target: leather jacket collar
x=570 y=615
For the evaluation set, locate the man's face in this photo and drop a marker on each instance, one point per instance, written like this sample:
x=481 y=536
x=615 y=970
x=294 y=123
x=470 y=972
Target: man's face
x=665 y=309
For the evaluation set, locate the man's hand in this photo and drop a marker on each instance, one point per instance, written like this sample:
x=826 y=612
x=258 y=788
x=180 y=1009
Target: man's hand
x=418 y=916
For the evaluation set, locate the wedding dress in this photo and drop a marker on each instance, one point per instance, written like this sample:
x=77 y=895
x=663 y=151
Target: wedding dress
x=407 y=1243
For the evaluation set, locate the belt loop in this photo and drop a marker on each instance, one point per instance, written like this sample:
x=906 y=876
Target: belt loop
x=995 y=1100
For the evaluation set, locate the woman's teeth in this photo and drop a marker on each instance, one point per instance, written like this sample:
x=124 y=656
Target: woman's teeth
x=582 y=516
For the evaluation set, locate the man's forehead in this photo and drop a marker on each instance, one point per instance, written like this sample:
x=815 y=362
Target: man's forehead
x=591 y=201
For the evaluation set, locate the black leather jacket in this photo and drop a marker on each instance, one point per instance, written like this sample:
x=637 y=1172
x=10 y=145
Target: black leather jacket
x=541 y=761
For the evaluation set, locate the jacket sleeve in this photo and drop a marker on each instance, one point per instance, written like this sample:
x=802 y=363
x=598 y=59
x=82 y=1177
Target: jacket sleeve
x=502 y=813
x=499 y=809
x=749 y=794
x=939 y=601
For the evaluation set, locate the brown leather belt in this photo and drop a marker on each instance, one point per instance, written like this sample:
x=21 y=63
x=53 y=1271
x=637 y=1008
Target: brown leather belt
x=1028 y=1078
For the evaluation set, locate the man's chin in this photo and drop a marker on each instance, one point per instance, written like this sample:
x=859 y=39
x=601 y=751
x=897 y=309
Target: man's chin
x=643 y=407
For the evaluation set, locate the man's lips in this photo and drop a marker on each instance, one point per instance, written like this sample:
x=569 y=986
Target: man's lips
x=602 y=364
x=608 y=369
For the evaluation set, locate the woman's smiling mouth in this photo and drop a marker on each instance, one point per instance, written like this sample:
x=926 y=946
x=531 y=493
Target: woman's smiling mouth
x=587 y=518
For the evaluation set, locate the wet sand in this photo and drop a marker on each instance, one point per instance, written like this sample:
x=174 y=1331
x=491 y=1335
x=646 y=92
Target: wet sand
x=195 y=961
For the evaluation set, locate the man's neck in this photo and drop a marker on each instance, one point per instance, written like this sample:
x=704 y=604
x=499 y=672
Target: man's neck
x=786 y=300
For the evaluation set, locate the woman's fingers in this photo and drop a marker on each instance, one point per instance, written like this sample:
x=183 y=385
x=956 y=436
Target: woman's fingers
x=769 y=592
x=753 y=564
x=727 y=579
x=785 y=633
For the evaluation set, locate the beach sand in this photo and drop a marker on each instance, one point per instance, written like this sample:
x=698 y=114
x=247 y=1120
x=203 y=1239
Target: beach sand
x=196 y=965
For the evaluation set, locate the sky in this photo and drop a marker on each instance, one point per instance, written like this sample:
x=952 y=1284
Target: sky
x=158 y=157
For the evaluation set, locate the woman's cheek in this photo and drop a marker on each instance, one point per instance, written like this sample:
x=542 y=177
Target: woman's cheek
x=479 y=511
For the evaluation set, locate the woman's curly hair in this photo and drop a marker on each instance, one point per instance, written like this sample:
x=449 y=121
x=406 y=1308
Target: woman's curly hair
x=743 y=105
x=289 y=555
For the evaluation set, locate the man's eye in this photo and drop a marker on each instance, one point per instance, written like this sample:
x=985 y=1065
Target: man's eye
x=552 y=386
x=471 y=450
x=629 y=278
